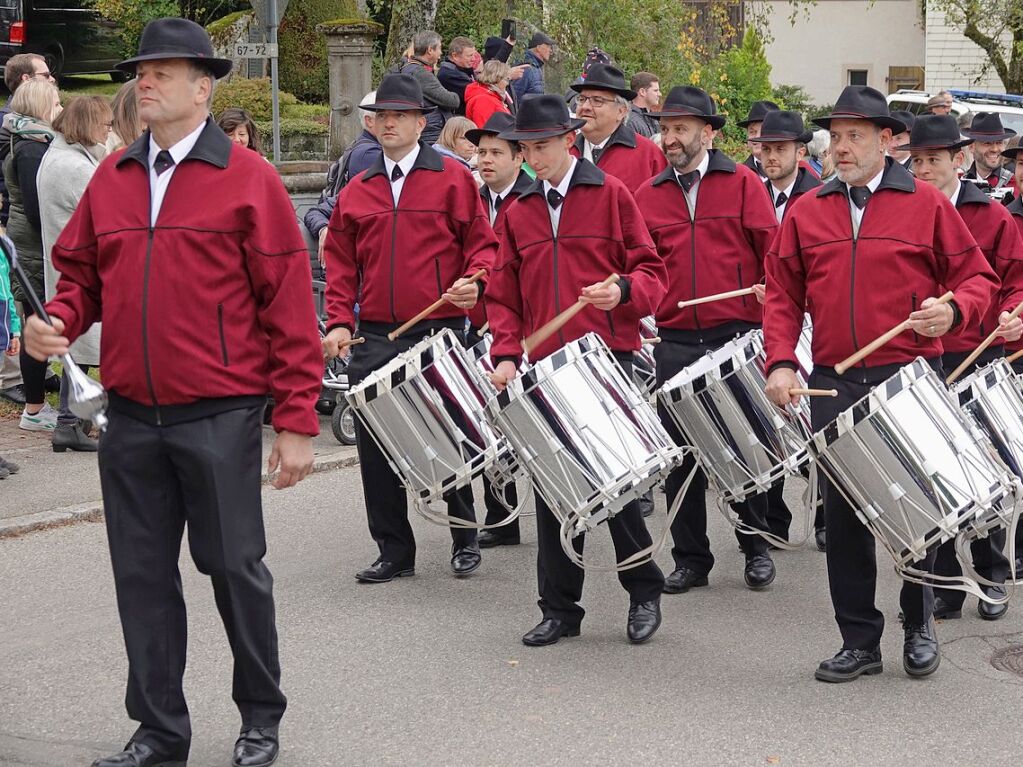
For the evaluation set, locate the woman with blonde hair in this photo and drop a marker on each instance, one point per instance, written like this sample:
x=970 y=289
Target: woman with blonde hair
x=33 y=106
x=453 y=143
x=489 y=94
x=78 y=147
x=126 y=123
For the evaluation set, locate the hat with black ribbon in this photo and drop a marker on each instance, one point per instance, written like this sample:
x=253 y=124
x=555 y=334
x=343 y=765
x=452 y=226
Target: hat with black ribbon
x=606 y=77
x=757 y=112
x=861 y=102
x=541 y=116
x=690 y=101
x=987 y=126
x=497 y=122
x=174 y=38
x=935 y=132
x=399 y=93
x=783 y=126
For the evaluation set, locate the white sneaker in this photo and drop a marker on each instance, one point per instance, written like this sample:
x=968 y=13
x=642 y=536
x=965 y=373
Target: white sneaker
x=44 y=420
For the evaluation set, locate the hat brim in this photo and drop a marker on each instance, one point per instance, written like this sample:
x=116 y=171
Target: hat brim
x=219 y=67
x=800 y=138
x=535 y=134
x=881 y=121
x=1005 y=135
x=748 y=122
x=625 y=93
x=476 y=134
x=398 y=106
x=714 y=121
x=1013 y=153
x=934 y=147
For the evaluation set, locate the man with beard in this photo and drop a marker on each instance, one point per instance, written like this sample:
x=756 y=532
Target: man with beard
x=854 y=254
x=712 y=224
x=989 y=139
x=606 y=139
x=896 y=149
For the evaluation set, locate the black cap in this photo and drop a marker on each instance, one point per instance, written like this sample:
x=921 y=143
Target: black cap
x=935 y=132
x=399 y=93
x=606 y=77
x=496 y=48
x=174 y=38
x=539 y=38
x=861 y=102
x=779 y=126
x=987 y=126
x=757 y=112
x=541 y=116
x=495 y=124
x=690 y=101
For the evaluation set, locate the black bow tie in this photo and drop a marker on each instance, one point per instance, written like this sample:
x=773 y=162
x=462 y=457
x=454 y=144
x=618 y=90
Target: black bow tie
x=396 y=174
x=163 y=162
x=780 y=200
x=687 y=180
x=554 y=198
x=859 y=195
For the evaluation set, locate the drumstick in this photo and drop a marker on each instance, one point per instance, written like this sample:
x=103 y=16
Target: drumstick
x=553 y=326
x=351 y=342
x=1014 y=356
x=813 y=392
x=483 y=328
x=430 y=309
x=983 y=345
x=651 y=340
x=716 y=297
x=880 y=341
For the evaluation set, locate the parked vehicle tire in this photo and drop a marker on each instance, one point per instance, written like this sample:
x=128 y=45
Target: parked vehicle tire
x=342 y=422
x=120 y=77
x=54 y=62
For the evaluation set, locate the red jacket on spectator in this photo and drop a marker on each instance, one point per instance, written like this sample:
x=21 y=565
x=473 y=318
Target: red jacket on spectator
x=722 y=249
x=627 y=156
x=538 y=275
x=911 y=243
x=481 y=101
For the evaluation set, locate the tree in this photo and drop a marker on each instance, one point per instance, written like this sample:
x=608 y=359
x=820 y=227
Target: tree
x=407 y=18
x=996 y=26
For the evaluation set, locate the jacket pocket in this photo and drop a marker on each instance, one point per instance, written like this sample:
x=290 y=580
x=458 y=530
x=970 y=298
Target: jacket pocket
x=436 y=269
x=611 y=324
x=223 y=339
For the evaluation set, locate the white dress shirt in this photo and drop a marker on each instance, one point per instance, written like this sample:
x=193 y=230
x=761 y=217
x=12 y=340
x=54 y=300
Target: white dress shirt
x=857 y=213
x=405 y=163
x=779 y=210
x=158 y=184
x=955 y=195
x=695 y=189
x=561 y=189
x=493 y=199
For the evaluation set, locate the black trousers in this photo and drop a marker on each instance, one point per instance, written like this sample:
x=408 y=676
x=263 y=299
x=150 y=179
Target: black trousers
x=560 y=581
x=386 y=500
x=33 y=372
x=851 y=550
x=691 y=546
x=155 y=479
x=496 y=512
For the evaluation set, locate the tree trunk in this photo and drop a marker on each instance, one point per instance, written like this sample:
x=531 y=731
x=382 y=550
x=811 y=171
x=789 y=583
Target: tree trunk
x=407 y=18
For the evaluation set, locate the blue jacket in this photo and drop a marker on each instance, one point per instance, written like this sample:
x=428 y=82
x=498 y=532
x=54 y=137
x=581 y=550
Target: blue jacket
x=365 y=150
x=532 y=78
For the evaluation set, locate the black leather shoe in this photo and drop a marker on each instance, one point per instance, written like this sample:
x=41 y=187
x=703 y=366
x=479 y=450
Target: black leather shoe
x=849 y=664
x=988 y=611
x=15 y=394
x=139 y=755
x=487 y=539
x=644 y=620
x=943 y=611
x=465 y=560
x=256 y=747
x=920 y=652
x=683 y=579
x=820 y=537
x=67 y=437
x=759 y=572
x=383 y=572
x=548 y=631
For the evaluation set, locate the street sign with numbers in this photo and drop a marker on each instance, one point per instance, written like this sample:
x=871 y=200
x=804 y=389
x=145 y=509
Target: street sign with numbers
x=255 y=50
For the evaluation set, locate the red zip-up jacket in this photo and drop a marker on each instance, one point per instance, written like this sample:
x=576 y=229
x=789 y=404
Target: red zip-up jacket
x=1015 y=209
x=627 y=156
x=538 y=275
x=397 y=260
x=722 y=250
x=992 y=227
x=806 y=181
x=911 y=243
x=211 y=303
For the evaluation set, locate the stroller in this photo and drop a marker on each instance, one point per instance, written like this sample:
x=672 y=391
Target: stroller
x=332 y=400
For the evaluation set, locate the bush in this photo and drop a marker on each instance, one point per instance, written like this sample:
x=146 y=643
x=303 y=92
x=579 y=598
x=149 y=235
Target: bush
x=737 y=78
x=290 y=127
x=133 y=15
x=303 y=57
x=252 y=95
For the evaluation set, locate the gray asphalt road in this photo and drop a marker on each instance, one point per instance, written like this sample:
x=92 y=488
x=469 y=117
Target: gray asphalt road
x=430 y=671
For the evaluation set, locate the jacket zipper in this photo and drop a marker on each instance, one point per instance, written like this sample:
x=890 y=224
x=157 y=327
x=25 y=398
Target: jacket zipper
x=692 y=258
x=436 y=269
x=145 y=308
x=916 y=338
x=557 y=297
x=738 y=268
x=223 y=340
x=394 y=237
x=852 y=276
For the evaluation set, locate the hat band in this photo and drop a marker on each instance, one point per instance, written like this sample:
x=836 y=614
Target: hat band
x=398 y=101
x=922 y=147
x=690 y=111
x=562 y=126
x=856 y=115
x=782 y=136
x=989 y=132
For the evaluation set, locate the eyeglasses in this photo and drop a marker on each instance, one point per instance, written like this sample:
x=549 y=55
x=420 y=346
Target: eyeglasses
x=45 y=74
x=597 y=101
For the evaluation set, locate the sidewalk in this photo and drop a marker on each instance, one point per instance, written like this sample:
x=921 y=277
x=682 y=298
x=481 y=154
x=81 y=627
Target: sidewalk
x=57 y=488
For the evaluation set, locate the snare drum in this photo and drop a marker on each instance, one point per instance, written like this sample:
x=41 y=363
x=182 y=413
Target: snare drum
x=588 y=437
x=744 y=443
x=644 y=367
x=912 y=464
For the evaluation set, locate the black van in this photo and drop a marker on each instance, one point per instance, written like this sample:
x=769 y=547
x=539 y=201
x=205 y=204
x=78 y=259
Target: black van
x=74 y=38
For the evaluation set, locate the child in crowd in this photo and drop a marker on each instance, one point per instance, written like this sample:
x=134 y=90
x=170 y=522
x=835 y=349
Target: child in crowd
x=10 y=337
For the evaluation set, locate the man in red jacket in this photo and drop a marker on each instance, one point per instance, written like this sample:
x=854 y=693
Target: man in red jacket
x=187 y=247
x=563 y=235
x=408 y=230
x=854 y=254
x=1016 y=209
x=606 y=139
x=712 y=223
x=989 y=138
x=936 y=148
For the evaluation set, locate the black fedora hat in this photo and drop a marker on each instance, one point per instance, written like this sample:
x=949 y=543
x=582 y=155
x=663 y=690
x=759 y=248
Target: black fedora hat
x=757 y=112
x=987 y=126
x=399 y=93
x=173 y=38
x=1012 y=152
x=690 y=101
x=541 y=116
x=935 y=132
x=783 y=126
x=495 y=124
x=861 y=102
x=906 y=118
x=606 y=77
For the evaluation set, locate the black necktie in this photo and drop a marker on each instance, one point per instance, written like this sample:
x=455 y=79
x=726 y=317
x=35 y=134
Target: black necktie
x=597 y=152
x=860 y=195
x=780 y=200
x=497 y=202
x=163 y=162
x=396 y=174
x=554 y=198
x=687 y=180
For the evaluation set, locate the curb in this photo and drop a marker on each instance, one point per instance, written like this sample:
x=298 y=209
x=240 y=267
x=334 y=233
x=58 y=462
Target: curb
x=92 y=511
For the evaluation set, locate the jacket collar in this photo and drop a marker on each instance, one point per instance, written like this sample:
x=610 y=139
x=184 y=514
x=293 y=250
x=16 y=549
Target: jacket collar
x=532 y=58
x=212 y=146
x=428 y=159
x=586 y=173
x=1003 y=174
x=805 y=182
x=623 y=135
x=895 y=177
x=1016 y=207
x=970 y=194
x=522 y=183
x=717 y=162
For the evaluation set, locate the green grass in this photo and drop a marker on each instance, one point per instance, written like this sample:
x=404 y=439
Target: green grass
x=87 y=85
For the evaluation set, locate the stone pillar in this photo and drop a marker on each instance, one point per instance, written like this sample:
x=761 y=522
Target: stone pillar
x=350 y=63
